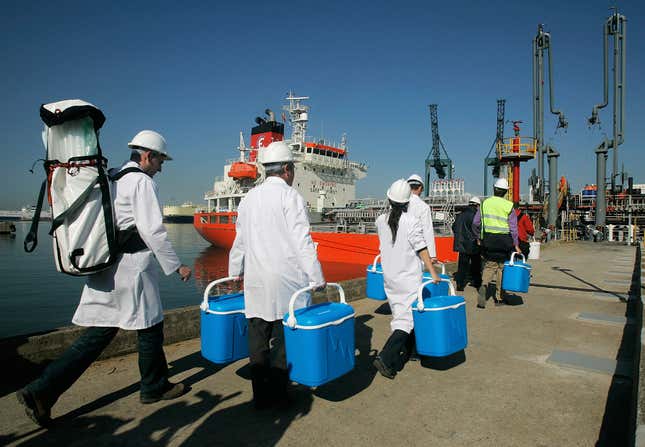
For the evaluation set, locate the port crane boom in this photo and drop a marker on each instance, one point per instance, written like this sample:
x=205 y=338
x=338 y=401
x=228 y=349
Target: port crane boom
x=442 y=166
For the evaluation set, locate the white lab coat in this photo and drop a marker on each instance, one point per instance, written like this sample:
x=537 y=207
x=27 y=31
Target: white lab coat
x=402 y=268
x=274 y=250
x=127 y=294
x=419 y=209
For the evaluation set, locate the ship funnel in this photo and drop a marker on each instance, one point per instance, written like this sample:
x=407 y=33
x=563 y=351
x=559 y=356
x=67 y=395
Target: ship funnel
x=270 y=114
x=260 y=120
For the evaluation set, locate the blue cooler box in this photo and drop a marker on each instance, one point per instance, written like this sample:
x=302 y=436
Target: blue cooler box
x=374 y=287
x=319 y=341
x=440 y=328
x=516 y=276
x=224 y=328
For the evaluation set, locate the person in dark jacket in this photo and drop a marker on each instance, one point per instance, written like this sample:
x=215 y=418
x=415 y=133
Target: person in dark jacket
x=465 y=243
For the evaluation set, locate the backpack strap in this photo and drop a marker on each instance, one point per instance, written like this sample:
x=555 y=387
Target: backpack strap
x=123 y=172
x=31 y=240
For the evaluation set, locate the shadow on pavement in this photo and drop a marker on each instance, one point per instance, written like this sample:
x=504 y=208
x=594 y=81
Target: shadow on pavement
x=242 y=425
x=444 y=363
x=359 y=378
x=175 y=367
x=619 y=421
x=155 y=429
x=593 y=286
x=383 y=309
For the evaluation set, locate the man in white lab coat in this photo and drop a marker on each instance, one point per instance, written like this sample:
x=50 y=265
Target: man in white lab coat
x=126 y=295
x=274 y=252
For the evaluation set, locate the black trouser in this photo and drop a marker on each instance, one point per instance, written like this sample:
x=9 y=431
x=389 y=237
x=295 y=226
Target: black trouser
x=525 y=247
x=397 y=350
x=268 y=360
x=469 y=265
x=64 y=371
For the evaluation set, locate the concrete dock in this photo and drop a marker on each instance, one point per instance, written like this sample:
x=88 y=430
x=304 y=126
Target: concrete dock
x=559 y=368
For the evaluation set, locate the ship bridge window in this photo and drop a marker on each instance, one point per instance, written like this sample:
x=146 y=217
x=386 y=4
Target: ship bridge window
x=309 y=150
x=334 y=154
x=316 y=151
x=233 y=219
x=213 y=219
x=341 y=155
x=223 y=219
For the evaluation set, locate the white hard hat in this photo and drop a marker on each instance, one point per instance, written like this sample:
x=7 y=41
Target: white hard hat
x=399 y=191
x=276 y=152
x=150 y=140
x=475 y=199
x=501 y=183
x=415 y=178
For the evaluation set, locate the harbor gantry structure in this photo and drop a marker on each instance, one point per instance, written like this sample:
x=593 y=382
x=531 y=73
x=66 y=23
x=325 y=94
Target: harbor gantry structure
x=614 y=28
x=542 y=45
x=442 y=166
x=511 y=152
x=494 y=162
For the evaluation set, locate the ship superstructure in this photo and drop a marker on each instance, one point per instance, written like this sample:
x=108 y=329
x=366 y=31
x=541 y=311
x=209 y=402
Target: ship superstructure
x=324 y=175
x=342 y=226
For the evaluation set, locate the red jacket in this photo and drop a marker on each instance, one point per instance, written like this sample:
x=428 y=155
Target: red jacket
x=524 y=226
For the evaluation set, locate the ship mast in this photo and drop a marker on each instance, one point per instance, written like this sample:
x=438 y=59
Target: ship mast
x=299 y=117
x=242 y=148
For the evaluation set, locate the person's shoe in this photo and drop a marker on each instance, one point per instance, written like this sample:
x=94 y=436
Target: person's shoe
x=34 y=408
x=479 y=306
x=499 y=303
x=481 y=297
x=383 y=368
x=174 y=391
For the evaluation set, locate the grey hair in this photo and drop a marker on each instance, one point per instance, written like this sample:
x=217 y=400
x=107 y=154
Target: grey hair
x=136 y=154
x=273 y=168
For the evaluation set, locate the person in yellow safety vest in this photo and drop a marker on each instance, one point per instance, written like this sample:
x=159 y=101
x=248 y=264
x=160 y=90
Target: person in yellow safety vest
x=496 y=225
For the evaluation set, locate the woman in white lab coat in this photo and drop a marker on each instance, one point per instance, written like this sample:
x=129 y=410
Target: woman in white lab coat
x=403 y=253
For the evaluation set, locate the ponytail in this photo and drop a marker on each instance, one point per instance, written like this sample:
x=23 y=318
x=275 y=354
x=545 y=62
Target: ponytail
x=394 y=216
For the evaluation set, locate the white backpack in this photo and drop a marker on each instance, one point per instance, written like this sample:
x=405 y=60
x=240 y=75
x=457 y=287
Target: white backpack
x=79 y=190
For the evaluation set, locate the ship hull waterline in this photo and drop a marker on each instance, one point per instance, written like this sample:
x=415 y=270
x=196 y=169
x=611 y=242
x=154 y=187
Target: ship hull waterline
x=350 y=248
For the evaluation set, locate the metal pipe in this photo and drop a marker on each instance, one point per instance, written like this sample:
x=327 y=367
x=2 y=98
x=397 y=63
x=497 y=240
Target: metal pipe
x=516 y=181
x=553 y=155
x=623 y=67
x=614 y=24
x=601 y=205
x=605 y=74
x=562 y=122
x=538 y=111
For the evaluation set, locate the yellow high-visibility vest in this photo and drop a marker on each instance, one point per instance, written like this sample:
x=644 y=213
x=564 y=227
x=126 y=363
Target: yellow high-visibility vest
x=494 y=213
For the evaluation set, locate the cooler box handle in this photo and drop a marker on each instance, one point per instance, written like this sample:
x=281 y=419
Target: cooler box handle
x=378 y=256
x=443 y=267
x=513 y=258
x=204 y=305
x=291 y=321
x=420 y=305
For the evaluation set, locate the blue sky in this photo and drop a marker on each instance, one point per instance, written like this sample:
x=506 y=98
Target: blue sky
x=199 y=73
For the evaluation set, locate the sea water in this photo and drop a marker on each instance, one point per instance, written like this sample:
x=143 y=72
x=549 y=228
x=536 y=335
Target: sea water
x=35 y=297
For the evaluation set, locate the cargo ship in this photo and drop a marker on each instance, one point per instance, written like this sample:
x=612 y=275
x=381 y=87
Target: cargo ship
x=342 y=227
x=179 y=213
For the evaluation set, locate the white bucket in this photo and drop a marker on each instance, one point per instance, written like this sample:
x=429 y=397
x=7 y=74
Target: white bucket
x=534 y=250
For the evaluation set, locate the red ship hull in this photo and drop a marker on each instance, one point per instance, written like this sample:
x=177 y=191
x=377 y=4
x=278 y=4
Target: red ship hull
x=338 y=248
